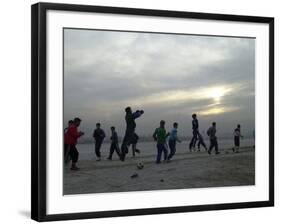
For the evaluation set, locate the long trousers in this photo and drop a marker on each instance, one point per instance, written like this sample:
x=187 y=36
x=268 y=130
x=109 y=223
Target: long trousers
x=66 y=153
x=161 y=148
x=194 y=139
x=97 y=148
x=214 y=143
x=74 y=154
x=172 y=146
x=127 y=140
x=201 y=142
x=114 y=147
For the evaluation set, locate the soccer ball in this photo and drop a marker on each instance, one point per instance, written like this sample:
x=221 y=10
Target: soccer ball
x=140 y=165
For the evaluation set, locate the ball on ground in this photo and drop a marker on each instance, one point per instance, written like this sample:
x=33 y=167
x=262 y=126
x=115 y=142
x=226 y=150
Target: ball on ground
x=140 y=165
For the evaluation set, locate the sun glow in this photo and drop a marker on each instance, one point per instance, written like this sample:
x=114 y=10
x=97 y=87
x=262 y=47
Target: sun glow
x=216 y=93
x=217 y=110
x=173 y=97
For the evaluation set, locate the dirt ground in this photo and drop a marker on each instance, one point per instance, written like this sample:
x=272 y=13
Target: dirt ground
x=186 y=170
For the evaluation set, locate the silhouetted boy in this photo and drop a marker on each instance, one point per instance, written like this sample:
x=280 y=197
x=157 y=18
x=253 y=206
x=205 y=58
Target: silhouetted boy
x=195 y=127
x=173 y=139
x=237 y=135
x=130 y=130
x=98 y=135
x=160 y=136
x=114 y=144
x=72 y=137
x=66 y=146
x=213 y=138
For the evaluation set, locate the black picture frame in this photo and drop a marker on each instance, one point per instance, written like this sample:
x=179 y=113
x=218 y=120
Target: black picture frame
x=39 y=123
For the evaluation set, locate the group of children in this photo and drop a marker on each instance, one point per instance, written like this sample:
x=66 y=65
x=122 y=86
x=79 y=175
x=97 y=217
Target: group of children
x=160 y=135
x=99 y=136
x=71 y=135
x=211 y=132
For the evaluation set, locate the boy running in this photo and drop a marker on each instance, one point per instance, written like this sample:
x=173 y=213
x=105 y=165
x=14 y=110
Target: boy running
x=160 y=136
x=195 y=126
x=173 y=139
x=66 y=146
x=114 y=144
x=72 y=137
x=213 y=138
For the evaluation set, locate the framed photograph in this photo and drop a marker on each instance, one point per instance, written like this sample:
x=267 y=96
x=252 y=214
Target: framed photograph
x=141 y=111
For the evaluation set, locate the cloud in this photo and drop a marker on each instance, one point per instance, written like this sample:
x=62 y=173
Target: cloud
x=170 y=76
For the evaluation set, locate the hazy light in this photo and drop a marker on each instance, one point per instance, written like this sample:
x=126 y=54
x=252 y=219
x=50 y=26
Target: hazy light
x=216 y=93
x=217 y=110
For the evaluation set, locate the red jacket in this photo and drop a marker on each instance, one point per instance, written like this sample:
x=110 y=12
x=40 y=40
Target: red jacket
x=71 y=135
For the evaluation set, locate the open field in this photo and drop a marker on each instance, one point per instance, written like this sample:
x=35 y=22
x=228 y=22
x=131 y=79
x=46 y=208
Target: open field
x=186 y=170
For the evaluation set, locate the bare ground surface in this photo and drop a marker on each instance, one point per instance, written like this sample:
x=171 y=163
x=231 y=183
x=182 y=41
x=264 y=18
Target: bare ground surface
x=186 y=170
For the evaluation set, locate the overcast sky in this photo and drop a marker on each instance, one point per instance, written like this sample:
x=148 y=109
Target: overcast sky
x=168 y=76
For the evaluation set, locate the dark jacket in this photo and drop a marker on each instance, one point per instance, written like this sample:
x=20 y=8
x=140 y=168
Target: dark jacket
x=130 y=120
x=212 y=132
x=114 y=137
x=195 y=124
x=99 y=134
